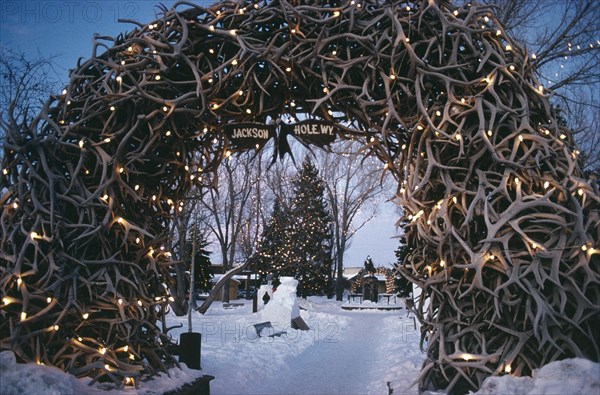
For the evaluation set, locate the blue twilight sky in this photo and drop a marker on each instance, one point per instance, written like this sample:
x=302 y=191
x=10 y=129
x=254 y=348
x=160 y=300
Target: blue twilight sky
x=66 y=29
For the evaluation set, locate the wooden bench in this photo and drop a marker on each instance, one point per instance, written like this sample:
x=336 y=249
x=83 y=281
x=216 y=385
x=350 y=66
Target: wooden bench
x=263 y=325
x=353 y=296
x=387 y=296
x=232 y=305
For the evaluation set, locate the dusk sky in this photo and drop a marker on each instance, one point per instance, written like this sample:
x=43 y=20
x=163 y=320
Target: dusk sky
x=66 y=29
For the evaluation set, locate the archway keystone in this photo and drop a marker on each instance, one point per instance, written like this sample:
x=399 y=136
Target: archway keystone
x=502 y=226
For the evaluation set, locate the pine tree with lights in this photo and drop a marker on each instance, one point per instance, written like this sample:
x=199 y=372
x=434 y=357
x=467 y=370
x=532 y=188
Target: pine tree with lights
x=203 y=271
x=310 y=234
x=273 y=253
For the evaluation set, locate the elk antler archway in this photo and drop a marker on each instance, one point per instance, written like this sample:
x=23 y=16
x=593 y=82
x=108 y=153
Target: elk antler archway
x=502 y=227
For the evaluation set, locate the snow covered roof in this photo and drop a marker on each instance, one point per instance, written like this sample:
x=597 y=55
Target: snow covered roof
x=237 y=277
x=380 y=277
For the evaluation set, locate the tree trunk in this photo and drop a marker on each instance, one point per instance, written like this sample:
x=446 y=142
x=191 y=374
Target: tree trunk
x=339 y=282
x=179 y=305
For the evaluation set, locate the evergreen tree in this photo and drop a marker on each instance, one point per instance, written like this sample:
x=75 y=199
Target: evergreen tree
x=273 y=251
x=404 y=250
x=309 y=234
x=203 y=271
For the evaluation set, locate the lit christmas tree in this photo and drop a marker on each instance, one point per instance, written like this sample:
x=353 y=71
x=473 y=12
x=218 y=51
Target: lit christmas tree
x=202 y=272
x=273 y=252
x=309 y=234
x=297 y=242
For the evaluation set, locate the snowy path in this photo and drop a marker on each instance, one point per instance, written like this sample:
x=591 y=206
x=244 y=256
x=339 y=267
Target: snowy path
x=344 y=352
x=345 y=361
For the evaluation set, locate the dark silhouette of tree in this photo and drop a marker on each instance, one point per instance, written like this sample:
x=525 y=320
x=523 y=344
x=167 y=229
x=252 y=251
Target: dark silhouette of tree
x=25 y=84
x=403 y=286
x=227 y=207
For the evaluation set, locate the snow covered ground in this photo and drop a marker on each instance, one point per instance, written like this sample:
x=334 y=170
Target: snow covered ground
x=344 y=352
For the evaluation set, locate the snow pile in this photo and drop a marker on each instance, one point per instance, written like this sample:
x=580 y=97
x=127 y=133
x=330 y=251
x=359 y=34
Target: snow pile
x=283 y=306
x=162 y=383
x=28 y=378
x=401 y=357
x=569 y=376
x=19 y=379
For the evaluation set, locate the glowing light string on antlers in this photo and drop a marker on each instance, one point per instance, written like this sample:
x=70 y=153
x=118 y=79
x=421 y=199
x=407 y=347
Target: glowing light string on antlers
x=456 y=113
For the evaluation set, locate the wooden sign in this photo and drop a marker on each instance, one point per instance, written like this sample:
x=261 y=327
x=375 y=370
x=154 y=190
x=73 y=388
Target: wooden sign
x=308 y=132
x=311 y=132
x=248 y=135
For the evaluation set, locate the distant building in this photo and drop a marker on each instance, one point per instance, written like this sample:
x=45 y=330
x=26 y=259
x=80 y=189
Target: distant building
x=245 y=281
x=351 y=274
